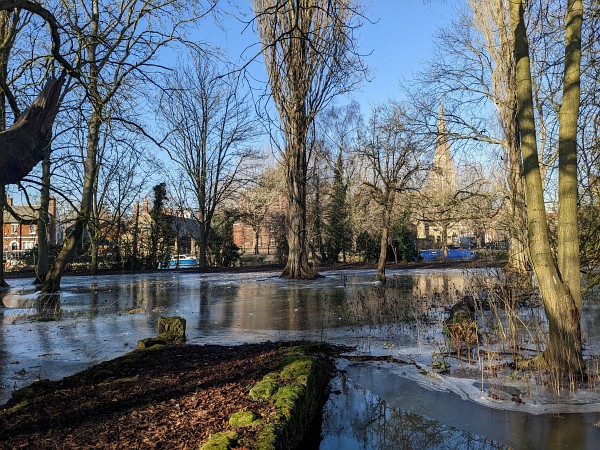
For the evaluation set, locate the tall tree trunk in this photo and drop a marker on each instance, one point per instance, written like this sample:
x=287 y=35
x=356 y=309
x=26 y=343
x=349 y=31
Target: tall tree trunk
x=518 y=254
x=5 y=37
x=135 y=238
x=43 y=222
x=564 y=349
x=568 y=233
x=202 y=259
x=445 y=240
x=385 y=233
x=256 y=238
x=296 y=164
x=3 y=282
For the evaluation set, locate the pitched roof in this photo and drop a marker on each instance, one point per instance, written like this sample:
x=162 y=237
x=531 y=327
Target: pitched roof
x=26 y=213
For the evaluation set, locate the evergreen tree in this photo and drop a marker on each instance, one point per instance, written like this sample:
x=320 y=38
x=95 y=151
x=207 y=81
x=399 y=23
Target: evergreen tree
x=338 y=225
x=161 y=233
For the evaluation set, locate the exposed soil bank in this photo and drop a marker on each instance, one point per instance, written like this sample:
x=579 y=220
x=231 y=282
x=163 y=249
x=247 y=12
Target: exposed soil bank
x=173 y=397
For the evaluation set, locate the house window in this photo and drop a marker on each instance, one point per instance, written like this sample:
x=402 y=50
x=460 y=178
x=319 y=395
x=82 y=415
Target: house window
x=14 y=227
x=14 y=246
x=28 y=245
x=33 y=228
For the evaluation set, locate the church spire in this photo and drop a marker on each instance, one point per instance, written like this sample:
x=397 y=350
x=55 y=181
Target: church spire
x=443 y=173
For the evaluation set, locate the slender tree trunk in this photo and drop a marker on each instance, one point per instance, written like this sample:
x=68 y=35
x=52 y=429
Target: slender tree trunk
x=43 y=222
x=383 y=250
x=385 y=233
x=568 y=233
x=564 y=348
x=445 y=240
x=3 y=282
x=52 y=281
x=256 y=237
x=93 y=254
x=202 y=260
x=135 y=239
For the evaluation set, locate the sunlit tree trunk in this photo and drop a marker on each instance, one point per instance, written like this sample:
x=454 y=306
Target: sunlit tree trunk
x=564 y=348
x=568 y=233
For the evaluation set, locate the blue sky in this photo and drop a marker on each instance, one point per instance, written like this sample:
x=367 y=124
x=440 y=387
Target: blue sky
x=397 y=43
x=400 y=42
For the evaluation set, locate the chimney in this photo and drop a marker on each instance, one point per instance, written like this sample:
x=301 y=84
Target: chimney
x=52 y=221
x=145 y=204
x=136 y=208
x=52 y=207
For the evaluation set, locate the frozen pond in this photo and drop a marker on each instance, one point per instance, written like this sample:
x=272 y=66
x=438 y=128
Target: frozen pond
x=374 y=405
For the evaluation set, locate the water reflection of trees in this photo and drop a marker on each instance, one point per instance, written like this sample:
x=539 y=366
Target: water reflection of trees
x=293 y=307
x=356 y=415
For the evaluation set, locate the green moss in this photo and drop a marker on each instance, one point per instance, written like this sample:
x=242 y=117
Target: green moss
x=274 y=376
x=41 y=387
x=172 y=329
x=120 y=380
x=144 y=344
x=288 y=399
x=242 y=419
x=264 y=390
x=297 y=366
x=14 y=408
x=224 y=440
x=269 y=437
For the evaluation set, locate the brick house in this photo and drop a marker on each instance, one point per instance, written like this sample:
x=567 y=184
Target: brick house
x=19 y=233
x=244 y=235
x=184 y=226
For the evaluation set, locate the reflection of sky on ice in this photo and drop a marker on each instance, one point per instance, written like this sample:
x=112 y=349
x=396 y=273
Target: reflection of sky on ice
x=98 y=318
x=355 y=418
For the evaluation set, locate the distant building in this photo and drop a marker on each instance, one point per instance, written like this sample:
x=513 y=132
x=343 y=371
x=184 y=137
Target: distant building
x=441 y=223
x=19 y=233
x=185 y=227
x=269 y=223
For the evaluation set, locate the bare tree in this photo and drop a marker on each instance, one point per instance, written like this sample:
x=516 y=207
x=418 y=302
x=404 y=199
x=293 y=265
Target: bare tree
x=122 y=177
x=116 y=43
x=209 y=125
x=394 y=161
x=310 y=55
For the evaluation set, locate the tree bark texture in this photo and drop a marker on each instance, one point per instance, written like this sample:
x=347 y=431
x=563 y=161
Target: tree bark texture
x=564 y=348
x=568 y=233
x=22 y=145
x=296 y=165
